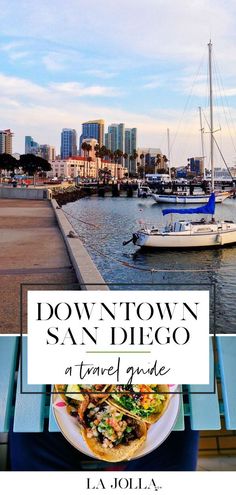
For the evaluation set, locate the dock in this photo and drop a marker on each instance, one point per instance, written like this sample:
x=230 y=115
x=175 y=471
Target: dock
x=35 y=250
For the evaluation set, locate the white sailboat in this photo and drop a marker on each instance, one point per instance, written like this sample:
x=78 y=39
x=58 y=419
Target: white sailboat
x=183 y=198
x=187 y=199
x=187 y=233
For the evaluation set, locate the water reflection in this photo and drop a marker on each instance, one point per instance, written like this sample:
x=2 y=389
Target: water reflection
x=117 y=218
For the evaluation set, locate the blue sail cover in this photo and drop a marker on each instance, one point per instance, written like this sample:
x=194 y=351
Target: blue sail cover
x=209 y=208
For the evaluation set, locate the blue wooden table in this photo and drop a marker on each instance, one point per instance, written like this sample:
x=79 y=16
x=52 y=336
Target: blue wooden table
x=33 y=412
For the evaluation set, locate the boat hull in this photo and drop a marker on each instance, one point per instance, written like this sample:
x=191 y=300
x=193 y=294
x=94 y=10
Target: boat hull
x=182 y=240
x=186 y=200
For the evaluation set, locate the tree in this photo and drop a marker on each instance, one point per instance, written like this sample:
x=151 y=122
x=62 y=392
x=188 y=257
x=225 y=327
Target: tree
x=141 y=158
x=130 y=161
x=97 y=154
x=117 y=155
x=158 y=161
x=8 y=163
x=86 y=147
x=165 y=160
x=88 y=161
x=105 y=175
x=32 y=164
x=141 y=170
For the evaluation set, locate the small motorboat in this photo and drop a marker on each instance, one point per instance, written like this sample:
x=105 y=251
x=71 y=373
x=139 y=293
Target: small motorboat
x=144 y=191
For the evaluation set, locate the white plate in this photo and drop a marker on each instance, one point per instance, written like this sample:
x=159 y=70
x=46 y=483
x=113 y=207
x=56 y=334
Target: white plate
x=157 y=433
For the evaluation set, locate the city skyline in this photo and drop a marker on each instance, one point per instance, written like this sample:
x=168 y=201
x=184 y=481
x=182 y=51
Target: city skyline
x=58 y=71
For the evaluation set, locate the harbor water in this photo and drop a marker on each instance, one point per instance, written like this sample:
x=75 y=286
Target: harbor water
x=104 y=223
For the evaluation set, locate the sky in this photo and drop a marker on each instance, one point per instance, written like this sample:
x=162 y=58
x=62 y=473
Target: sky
x=140 y=62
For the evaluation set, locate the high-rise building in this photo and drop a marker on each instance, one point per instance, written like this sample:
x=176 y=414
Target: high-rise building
x=6 y=141
x=130 y=147
x=47 y=152
x=68 y=143
x=115 y=137
x=130 y=140
x=93 y=129
x=31 y=146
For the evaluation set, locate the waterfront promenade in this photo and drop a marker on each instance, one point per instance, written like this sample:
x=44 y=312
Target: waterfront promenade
x=32 y=251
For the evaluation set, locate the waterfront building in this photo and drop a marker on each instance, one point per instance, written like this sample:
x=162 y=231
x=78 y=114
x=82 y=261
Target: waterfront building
x=68 y=143
x=196 y=165
x=80 y=166
x=147 y=158
x=6 y=141
x=93 y=129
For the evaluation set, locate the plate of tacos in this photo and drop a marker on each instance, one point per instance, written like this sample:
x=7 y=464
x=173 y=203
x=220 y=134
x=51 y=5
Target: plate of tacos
x=115 y=422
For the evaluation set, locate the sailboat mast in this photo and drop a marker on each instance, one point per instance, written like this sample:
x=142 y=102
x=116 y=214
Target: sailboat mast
x=202 y=142
x=211 y=115
x=168 y=150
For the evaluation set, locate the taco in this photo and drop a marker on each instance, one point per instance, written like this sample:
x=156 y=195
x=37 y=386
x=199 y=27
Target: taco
x=81 y=397
x=145 y=402
x=111 y=435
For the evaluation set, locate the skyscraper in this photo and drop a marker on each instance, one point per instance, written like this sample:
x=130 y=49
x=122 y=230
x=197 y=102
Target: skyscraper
x=47 y=152
x=93 y=129
x=115 y=137
x=31 y=146
x=68 y=143
x=6 y=141
x=130 y=147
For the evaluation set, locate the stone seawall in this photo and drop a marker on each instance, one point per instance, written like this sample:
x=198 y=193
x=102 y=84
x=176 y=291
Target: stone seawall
x=86 y=271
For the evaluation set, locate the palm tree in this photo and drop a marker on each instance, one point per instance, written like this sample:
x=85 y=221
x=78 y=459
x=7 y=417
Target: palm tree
x=97 y=154
x=141 y=158
x=89 y=147
x=165 y=160
x=158 y=160
x=88 y=161
x=141 y=170
x=118 y=155
x=86 y=147
x=129 y=167
x=135 y=156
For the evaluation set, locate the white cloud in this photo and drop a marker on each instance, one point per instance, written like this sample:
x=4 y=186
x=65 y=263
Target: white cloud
x=153 y=82
x=13 y=45
x=100 y=74
x=53 y=62
x=77 y=89
x=103 y=40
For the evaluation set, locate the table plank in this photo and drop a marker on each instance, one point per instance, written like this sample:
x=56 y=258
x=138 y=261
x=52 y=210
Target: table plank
x=52 y=422
x=204 y=408
x=179 y=425
x=8 y=355
x=29 y=408
x=226 y=347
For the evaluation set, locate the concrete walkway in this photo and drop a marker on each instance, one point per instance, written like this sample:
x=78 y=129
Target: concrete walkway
x=32 y=250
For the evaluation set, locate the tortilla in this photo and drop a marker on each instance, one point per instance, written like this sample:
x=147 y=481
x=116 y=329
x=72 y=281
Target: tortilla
x=80 y=405
x=119 y=452
x=152 y=417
